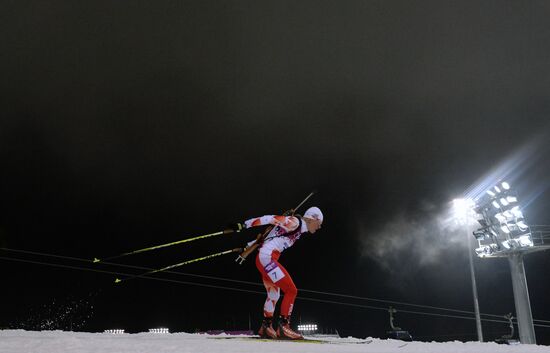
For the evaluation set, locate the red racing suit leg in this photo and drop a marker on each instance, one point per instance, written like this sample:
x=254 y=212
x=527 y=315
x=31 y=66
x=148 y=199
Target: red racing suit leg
x=277 y=279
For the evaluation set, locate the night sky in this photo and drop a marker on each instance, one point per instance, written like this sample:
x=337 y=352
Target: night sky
x=130 y=124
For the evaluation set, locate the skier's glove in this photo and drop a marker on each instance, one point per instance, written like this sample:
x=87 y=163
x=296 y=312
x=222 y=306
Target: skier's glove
x=236 y=227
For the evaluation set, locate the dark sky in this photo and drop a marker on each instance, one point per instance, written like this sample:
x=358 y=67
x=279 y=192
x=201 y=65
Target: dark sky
x=125 y=125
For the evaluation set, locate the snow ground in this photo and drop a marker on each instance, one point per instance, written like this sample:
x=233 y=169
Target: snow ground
x=19 y=341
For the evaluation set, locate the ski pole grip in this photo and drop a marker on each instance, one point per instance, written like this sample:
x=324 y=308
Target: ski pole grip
x=247 y=251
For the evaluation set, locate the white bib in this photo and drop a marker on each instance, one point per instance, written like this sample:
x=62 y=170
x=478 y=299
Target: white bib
x=274 y=272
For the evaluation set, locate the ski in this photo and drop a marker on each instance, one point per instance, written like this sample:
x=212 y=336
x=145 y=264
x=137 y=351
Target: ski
x=304 y=340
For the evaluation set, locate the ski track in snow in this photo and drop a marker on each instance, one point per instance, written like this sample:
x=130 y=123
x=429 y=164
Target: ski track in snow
x=20 y=341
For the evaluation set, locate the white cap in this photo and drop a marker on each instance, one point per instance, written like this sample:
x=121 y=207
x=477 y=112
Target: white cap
x=314 y=213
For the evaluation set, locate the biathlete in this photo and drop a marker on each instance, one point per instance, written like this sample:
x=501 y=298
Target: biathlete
x=287 y=230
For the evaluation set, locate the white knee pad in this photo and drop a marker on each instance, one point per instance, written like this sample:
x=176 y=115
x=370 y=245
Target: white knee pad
x=272 y=298
x=274 y=294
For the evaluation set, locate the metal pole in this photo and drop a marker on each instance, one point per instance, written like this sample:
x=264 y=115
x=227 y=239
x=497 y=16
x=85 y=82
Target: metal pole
x=521 y=299
x=474 y=288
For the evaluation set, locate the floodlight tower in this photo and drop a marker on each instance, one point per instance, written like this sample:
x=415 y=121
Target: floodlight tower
x=504 y=233
x=463 y=210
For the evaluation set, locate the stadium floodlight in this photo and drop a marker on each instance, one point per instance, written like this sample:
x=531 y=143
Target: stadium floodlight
x=159 y=330
x=463 y=211
x=522 y=226
x=479 y=234
x=485 y=250
x=309 y=328
x=511 y=199
x=505 y=222
x=501 y=217
x=525 y=241
x=114 y=331
x=516 y=212
x=510 y=215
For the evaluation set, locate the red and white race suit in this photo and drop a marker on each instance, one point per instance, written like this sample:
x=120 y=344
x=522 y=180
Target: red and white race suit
x=274 y=276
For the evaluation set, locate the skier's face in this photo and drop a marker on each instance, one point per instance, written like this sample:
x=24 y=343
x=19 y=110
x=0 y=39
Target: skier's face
x=313 y=225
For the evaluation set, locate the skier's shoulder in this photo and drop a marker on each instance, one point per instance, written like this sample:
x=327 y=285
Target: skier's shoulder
x=288 y=223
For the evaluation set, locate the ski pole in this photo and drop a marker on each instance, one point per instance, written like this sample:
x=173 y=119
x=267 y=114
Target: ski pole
x=260 y=238
x=227 y=231
x=118 y=280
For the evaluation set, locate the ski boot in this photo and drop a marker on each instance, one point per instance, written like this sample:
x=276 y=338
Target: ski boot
x=267 y=330
x=285 y=332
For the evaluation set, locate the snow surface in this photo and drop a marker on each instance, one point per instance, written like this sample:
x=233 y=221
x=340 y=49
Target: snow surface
x=19 y=341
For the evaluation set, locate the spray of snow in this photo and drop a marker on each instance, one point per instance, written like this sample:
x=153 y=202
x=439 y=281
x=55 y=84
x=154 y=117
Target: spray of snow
x=68 y=314
x=418 y=240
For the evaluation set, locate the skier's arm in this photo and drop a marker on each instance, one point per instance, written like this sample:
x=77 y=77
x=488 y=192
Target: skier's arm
x=288 y=223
